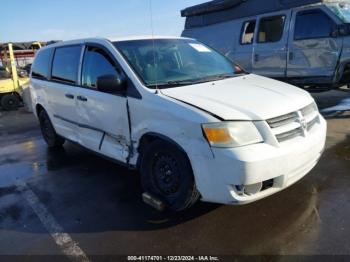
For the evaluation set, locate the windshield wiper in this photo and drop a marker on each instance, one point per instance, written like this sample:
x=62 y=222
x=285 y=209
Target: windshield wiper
x=173 y=84
x=178 y=83
x=219 y=77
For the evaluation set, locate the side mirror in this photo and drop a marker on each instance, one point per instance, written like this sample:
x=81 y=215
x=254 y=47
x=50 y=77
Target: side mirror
x=111 y=83
x=239 y=70
x=343 y=30
x=337 y=31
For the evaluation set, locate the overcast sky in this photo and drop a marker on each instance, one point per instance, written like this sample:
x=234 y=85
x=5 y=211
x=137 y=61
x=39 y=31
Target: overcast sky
x=29 y=20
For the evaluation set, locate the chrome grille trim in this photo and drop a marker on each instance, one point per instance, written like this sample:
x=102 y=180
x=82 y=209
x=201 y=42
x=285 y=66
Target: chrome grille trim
x=295 y=124
x=309 y=109
x=312 y=123
x=289 y=135
x=282 y=120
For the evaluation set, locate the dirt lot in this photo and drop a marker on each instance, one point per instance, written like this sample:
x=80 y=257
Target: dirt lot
x=72 y=203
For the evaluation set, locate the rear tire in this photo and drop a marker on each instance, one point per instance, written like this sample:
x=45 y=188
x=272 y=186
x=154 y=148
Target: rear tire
x=166 y=173
x=10 y=102
x=51 y=138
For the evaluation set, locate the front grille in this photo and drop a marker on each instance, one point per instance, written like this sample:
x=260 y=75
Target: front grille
x=282 y=120
x=295 y=124
x=309 y=109
x=312 y=123
x=289 y=135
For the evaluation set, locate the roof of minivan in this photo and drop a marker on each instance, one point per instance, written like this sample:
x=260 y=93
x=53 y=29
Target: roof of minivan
x=111 y=39
x=218 y=11
x=143 y=37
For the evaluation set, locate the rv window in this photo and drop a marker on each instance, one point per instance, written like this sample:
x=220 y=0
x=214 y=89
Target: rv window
x=312 y=24
x=271 y=29
x=248 y=30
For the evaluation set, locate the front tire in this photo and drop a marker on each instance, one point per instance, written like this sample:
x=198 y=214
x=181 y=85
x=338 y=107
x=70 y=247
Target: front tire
x=51 y=138
x=166 y=173
x=10 y=102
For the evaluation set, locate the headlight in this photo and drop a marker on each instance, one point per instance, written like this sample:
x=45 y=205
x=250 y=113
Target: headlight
x=232 y=134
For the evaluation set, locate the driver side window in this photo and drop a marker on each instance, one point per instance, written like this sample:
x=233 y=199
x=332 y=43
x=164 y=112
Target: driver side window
x=313 y=24
x=96 y=63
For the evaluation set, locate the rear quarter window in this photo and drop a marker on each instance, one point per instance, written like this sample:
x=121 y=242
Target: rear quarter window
x=41 y=65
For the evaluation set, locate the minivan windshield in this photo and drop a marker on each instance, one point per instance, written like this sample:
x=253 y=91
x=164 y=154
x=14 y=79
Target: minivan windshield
x=165 y=63
x=342 y=10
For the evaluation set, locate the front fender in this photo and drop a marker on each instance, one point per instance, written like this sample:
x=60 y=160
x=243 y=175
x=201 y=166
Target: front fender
x=173 y=121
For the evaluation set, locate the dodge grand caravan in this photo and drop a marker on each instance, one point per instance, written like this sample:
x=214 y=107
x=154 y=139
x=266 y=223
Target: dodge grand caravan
x=179 y=112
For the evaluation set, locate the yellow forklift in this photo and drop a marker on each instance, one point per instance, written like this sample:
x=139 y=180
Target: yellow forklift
x=11 y=82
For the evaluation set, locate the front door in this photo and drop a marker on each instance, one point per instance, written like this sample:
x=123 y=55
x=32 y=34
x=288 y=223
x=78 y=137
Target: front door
x=270 y=47
x=243 y=53
x=104 y=125
x=313 y=52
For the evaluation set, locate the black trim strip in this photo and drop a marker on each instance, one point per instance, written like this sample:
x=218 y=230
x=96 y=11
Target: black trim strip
x=102 y=139
x=131 y=146
x=80 y=125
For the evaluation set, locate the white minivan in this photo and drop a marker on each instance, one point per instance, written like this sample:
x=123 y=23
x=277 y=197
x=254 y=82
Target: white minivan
x=193 y=124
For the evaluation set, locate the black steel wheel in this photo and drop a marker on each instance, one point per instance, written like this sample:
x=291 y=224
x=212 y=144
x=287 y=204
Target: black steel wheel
x=50 y=136
x=10 y=102
x=167 y=174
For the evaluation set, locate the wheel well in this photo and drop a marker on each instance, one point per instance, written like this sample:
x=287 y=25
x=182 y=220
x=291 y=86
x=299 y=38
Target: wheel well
x=11 y=93
x=38 y=109
x=18 y=96
x=151 y=137
x=345 y=76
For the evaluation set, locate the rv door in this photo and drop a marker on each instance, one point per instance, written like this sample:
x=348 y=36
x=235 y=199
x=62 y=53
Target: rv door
x=313 y=49
x=243 y=52
x=270 y=47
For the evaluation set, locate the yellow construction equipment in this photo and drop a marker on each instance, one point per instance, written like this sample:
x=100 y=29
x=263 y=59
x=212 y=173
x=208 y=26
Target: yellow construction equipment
x=10 y=83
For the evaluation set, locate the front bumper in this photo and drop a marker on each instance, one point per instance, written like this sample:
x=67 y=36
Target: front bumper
x=220 y=178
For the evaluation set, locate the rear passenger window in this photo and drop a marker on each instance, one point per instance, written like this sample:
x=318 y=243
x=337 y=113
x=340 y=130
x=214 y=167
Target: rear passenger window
x=96 y=63
x=248 y=30
x=41 y=66
x=271 y=29
x=312 y=24
x=66 y=63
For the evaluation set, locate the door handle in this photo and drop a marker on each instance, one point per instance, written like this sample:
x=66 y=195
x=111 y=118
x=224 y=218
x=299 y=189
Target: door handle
x=82 y=98
x=312 y=45
x=291 y=56
x=256 y=57
x=70 y=96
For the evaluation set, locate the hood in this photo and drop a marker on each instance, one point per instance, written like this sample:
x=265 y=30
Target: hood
x=248 y=97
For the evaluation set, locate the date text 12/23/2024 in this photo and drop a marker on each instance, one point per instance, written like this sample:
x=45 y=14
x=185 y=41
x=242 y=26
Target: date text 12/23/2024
x=173 y=258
